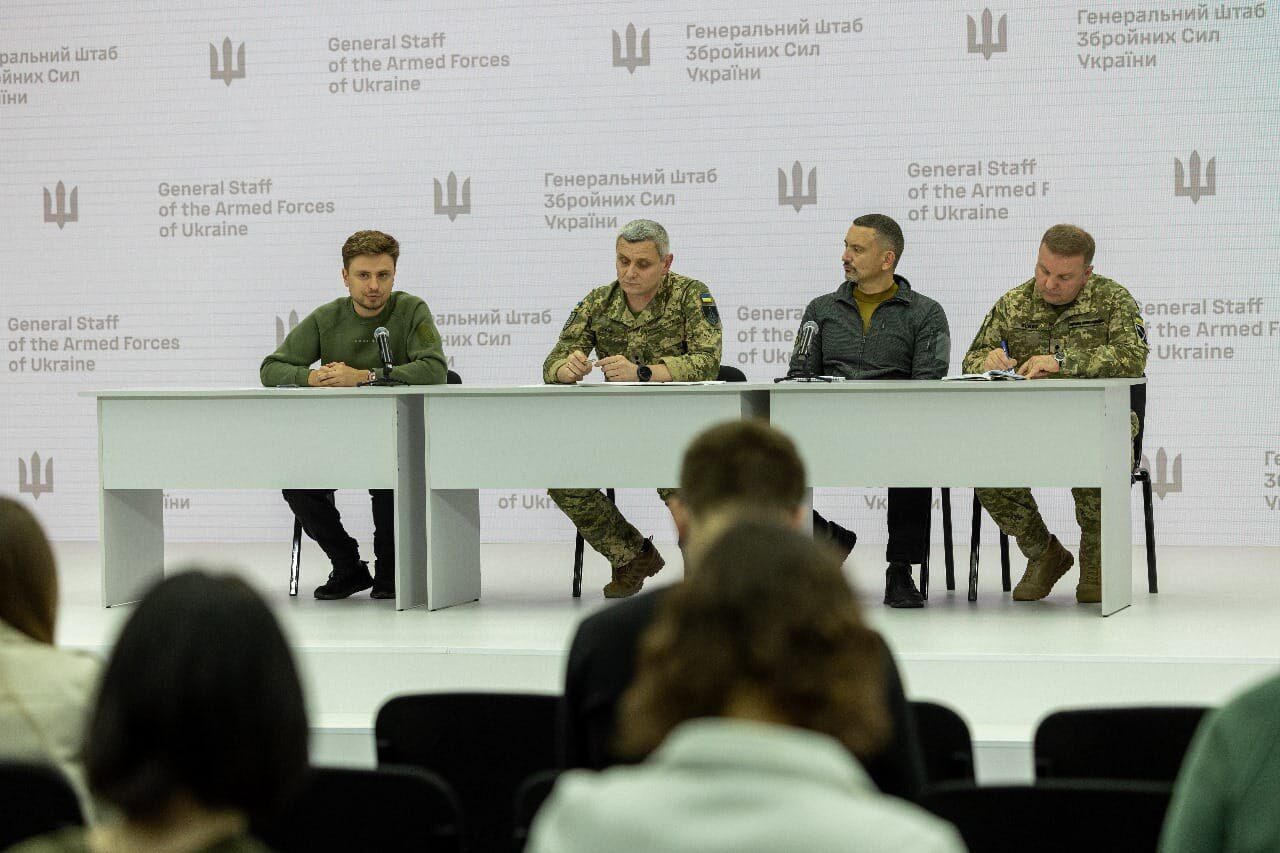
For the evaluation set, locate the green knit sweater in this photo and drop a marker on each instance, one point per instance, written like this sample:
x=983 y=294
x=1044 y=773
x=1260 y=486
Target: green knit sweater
x=1225 y=799
x=334 y=332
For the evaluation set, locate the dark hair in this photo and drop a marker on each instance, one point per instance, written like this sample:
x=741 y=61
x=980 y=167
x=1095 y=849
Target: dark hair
x=767 y=610
x=1069 y=241
x=887 y=231
x=201 y=697
x=743 y=462
x=370 y=243
x=28 y=580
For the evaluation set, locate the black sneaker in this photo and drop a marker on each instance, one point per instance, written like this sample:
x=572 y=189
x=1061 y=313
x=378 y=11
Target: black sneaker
x=384 y=582
x=899 y=589
x=345 y=582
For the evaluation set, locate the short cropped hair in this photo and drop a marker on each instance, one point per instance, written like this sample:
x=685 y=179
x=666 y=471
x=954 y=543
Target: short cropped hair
x=200 y=697
x=28 y=579
x=643 y=230
x=744 y=462
x=369 y=243
x=1069 y=241
x=768 y=612
x=888 y=232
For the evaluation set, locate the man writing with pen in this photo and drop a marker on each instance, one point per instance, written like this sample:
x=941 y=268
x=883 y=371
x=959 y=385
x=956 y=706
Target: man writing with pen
x=1066 y=322
x=647 y=325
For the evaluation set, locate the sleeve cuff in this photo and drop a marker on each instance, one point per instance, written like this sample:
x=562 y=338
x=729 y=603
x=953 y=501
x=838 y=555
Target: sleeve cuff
x=549 y=375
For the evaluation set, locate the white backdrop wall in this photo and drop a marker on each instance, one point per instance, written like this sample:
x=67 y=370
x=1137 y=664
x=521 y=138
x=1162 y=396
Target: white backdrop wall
x=176 y=179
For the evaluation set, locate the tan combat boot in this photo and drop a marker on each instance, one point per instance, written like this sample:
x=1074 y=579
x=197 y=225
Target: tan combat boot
x=630 y=576
x=1089 y=590
x=1043 y=572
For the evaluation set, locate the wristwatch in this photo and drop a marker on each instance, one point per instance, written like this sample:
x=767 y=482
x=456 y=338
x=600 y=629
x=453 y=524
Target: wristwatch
x=373 y=377
x=1059 y=355
x=644 y=372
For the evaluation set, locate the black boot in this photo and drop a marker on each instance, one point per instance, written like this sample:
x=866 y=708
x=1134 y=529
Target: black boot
x=345 y=582
x=899 y=589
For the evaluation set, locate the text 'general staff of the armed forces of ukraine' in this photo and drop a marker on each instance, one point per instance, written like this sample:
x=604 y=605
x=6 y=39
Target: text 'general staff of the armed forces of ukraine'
x=340 y=335
x=648 y=325
x=1064 y=322
x=875 y=326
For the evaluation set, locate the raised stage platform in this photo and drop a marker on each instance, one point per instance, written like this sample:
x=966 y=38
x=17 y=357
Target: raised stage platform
x=1003 y=664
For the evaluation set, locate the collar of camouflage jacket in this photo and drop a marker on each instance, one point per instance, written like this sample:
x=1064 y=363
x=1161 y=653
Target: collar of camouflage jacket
x=619 y=311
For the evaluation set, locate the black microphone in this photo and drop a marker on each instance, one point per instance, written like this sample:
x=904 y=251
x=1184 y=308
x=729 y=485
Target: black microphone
x=800 y=353
x=804 y=341
x=383 y=339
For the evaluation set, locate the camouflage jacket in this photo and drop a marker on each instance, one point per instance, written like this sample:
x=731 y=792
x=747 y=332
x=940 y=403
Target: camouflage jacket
x=679 y=328
x=1101 y=334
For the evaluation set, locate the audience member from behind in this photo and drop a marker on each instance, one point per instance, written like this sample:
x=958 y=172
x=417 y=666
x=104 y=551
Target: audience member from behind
x=756 y=682
x=199 y=726
x=44 y=691
x=1225 y=797
x=730 y=472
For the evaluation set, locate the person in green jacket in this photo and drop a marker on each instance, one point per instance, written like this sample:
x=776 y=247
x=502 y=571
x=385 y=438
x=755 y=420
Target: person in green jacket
x=339 y=335
x=1225 y=796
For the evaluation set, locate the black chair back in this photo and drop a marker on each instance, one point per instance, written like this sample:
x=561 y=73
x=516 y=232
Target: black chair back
x=484 y=745
x=1115 y=743
x=945 y=742
x=530 y=796
x=37 y=799
x=1054 y=817
x=390 y=809
x=452 y=378
x=1138 y=405
x=730 y=374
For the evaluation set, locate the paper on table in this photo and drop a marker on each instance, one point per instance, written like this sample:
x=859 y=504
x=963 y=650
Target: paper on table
x=988 y=376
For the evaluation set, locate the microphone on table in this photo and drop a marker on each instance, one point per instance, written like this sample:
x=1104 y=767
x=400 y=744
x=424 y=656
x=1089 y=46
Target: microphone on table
x=383 y=339
x=803 y=347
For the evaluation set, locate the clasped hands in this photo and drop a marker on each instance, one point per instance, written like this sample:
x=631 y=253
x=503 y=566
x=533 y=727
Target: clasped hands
x=616 y=368
x=336 y=374
x=1033 y=368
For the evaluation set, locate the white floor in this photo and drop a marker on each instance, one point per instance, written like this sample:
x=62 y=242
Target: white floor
x=1210 y=631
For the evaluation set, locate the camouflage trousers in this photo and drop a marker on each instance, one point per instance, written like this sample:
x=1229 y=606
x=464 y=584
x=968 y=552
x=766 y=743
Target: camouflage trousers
x=602 y=526
x=1016 y=513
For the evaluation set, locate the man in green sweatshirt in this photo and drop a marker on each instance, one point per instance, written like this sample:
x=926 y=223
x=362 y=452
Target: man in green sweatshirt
x=339 y=335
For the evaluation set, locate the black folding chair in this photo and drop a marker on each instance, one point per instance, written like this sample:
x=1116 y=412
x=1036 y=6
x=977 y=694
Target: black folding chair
x=1116 y=743
x=484 y=745
x=530 y=796
x=37 y=799
x=295 y=559
x=725 y=374
x=1054 y=817
x=1140 y=474
x=390 y=809
x=945 y=742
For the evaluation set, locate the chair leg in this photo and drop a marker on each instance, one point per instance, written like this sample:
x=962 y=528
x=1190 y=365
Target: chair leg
x=295 y=560
x=578 y=546
x=1004 y=561
x=1152 y=585
x=947 y=542
x=924 y=578
x=975 y=536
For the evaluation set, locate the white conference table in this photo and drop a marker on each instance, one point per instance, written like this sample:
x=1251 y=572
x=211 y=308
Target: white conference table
x=592 y=435
x=437 y=446
x=252 y=438
x=1054 y=433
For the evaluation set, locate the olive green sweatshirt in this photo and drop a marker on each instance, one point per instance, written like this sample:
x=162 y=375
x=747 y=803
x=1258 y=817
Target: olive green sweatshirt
x=1225 y=797
x=335 y=332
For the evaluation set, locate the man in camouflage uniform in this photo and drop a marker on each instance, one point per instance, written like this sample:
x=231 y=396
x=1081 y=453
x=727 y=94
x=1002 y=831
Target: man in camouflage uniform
x=1065 y=322
x=648 y=325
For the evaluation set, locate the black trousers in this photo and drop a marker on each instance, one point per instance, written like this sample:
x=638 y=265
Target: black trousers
x=322 y=522
x=909 y=511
